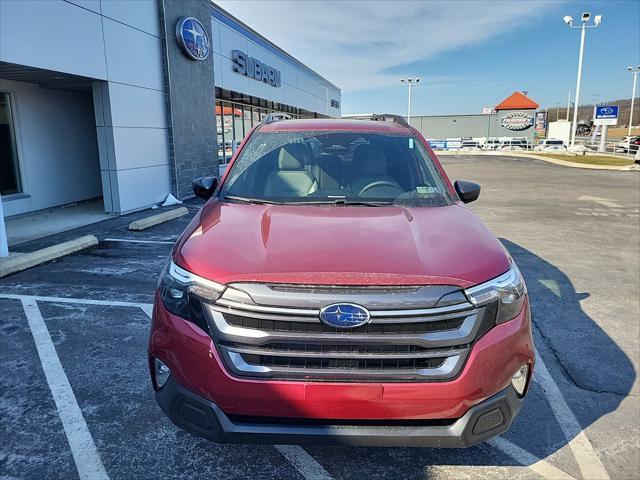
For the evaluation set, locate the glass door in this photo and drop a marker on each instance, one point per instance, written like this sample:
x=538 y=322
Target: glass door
x=9 y=167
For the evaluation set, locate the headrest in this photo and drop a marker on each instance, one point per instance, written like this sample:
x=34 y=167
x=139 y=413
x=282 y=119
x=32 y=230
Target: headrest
x=370 y=160
x=291 y=157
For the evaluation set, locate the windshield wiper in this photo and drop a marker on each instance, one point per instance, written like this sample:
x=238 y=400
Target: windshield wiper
x=343 y=201
x=258 y=201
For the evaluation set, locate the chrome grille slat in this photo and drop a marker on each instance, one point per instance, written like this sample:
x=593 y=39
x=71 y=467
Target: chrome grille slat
x=240 y=366
x=271 y=331
x=407 y=314
x=385 y=356
x=447 y=338
x=263 y=316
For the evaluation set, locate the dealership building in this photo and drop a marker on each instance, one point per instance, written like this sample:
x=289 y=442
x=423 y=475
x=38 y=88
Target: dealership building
x=123 y=103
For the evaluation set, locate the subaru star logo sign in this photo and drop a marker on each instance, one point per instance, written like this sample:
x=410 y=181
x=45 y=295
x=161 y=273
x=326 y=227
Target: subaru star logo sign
x=192 y=38
x=344 y=315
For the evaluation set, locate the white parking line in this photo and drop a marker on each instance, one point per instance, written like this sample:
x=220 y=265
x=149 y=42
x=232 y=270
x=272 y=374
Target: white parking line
x=130 y=240
x=82 y=301
x=90 y=465
x=588 y=461
x=541 y=467
x=308 y=467
x=84 y=451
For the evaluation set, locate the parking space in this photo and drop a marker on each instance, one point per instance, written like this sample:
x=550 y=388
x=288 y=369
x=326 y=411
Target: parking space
x=76 y=401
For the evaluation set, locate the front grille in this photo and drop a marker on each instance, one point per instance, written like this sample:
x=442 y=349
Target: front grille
x=344 y=363
x=282 y=337
x=319 y=327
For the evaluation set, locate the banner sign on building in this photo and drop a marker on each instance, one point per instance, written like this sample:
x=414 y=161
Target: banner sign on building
x=516 y=121
x=541 y=124
x=605 y=115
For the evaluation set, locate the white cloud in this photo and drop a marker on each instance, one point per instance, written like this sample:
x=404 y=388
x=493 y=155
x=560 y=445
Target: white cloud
x=354 y=43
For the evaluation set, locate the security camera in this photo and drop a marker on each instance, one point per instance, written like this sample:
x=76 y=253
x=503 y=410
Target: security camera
x=418 y=80
x=586 y=16
x=409 y=80
x=630 y=68
x=568 y=20
x=597 y=19
x=402 y=80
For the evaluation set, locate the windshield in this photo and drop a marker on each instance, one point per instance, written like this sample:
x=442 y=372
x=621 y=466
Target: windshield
x=338 y=167
x=555 y=142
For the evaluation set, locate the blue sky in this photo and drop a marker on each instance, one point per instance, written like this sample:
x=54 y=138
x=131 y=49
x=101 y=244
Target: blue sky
x=469 y=54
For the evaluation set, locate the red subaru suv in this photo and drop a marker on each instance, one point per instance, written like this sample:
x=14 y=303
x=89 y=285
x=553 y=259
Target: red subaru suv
x=335 y=289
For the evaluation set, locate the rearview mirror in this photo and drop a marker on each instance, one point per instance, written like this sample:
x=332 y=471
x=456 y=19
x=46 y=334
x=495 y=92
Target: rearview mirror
x=204 y=187
x=467 y=191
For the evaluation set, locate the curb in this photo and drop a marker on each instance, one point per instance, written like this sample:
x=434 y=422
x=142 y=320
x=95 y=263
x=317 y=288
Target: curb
x=147 y=222
x=564 y=163
x=22 y=261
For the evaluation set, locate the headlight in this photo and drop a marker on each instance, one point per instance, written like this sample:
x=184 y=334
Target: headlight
x=508 y=290
x=181 y=292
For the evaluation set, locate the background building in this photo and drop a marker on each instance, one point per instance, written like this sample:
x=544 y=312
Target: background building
x=513 y=117
x=99 y=100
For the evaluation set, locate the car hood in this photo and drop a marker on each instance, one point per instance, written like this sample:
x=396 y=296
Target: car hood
x=338 y=245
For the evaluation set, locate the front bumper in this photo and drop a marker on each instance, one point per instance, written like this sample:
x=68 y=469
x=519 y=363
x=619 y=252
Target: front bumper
x=196 y=414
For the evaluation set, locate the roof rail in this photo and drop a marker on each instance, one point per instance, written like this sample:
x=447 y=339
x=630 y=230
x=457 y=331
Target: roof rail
x=384 y=117
x=276 y=117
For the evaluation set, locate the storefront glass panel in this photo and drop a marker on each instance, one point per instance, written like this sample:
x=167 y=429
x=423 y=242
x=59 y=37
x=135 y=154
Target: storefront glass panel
x=9 y=167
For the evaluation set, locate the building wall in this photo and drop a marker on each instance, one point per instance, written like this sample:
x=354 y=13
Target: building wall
x=190 y=100
x=154 y=109
x=452 y=126
x=301 y=87
x=474 y=125
x=55 y=136
x=117 y=43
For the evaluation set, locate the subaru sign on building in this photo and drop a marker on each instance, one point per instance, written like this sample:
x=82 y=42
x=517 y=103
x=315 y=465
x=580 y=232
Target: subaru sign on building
x=125 y=102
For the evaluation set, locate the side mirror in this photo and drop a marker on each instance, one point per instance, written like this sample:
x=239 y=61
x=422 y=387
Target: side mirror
x=467 y=191
x=204 y=187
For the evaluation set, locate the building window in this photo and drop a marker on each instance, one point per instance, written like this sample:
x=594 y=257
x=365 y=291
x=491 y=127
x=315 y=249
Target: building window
x=9 y=167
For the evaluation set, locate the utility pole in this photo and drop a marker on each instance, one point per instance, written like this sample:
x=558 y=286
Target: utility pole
x=410 y=82
x=635 y=72
x=569 y=21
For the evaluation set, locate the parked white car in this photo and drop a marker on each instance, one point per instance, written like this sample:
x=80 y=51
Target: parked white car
x=551 y=145
x=470 y=146
x=491 y=144
x=513 y=146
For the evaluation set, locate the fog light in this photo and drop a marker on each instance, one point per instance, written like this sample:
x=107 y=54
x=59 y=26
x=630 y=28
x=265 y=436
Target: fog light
x=519 y=379
x=488 y=421
x=162 y=373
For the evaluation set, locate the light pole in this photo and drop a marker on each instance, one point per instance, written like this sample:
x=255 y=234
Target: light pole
x=410 y=82
x=635 y=72
x=569 y=21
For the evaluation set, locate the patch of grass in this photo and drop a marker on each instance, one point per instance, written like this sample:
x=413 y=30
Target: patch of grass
x=592 y=159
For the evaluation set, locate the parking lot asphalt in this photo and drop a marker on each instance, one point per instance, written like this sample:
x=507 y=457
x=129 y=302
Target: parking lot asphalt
x=76 y=400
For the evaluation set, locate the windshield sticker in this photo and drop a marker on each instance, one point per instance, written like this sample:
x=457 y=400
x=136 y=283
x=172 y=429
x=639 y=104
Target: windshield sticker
x=423 y=190
x=410 y=142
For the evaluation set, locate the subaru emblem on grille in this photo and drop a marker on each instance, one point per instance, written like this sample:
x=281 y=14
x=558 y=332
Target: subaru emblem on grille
x=344 y=315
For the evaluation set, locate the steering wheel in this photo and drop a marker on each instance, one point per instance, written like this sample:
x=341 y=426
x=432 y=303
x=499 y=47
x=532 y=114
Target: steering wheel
x=380 y=183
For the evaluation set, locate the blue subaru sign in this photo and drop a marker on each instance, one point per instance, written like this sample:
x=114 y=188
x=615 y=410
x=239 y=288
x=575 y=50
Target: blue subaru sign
x=606 y=112
x=192 y=38
x=344 y=315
